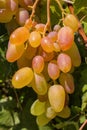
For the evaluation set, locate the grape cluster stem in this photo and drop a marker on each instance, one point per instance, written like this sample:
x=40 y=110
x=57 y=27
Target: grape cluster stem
x=80 y=30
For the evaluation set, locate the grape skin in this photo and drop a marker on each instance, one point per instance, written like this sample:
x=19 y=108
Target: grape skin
x=22 y=77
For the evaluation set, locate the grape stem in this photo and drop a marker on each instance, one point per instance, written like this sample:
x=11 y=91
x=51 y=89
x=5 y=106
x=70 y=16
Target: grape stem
x=33 y=9
x=82 y=126
x=80 y=29
x=48 y=24
x=61 y=8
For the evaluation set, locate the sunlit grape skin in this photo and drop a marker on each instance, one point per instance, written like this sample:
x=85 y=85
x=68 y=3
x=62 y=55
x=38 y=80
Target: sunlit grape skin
x=34 y=39
x=38 y=64
x=22 y=77
x=47 y=44
x=56 y=95
x=19 y=36
x=39 y=84
x=13 y=52
x=53 y=70
x=64 y=62
x=37 y=108
x=71 y=21
x=65 y=38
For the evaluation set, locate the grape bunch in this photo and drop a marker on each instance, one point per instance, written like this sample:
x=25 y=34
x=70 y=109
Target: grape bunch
x=45 y=62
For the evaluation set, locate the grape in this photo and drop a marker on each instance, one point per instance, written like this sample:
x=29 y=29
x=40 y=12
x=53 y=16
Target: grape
x=3 y=4
x=35 y=39
x=47 y=44
x=13 y=52
x=21 y=16
x=71 y=21
x=67 y=81
x=47 y=56
x=64 y=62
x=25 y=3
x=38 y=64
x=29 y=24
x=42 y=120
x=23 y=62
x=40 y=27
x=56 y=47
x=12 y=5
x=73 y=52
x=56 y=27
x=19 y=36
x=65 y=113
x=5 y=15
x=65 y=38
x=50 y=113
x=37 y=108
x=56 y=95
x=30 y=52
x=39 y=84
x=52 y=35
x=53 y=70
x=22 y=77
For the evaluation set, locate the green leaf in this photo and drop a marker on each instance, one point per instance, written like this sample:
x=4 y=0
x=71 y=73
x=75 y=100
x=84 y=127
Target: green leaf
x=82 y=119
x=84 y=88
x=45 y=128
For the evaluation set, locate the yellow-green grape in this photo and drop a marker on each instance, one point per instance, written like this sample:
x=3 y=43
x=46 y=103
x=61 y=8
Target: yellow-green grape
x=22 y=77
x=37 y=108
x=42 y=120
x=67 y=81
x=56 y=95
x=65 y=113
x=71 y=21
x=14 y=52
x=50 y=113
x=73 y=52
x=39 y=84
x=35 y=39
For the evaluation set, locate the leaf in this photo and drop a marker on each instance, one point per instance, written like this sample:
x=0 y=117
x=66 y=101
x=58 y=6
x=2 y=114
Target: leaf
x=84 y=88
x=82 y=119
x=85 y=26
x=45 y=128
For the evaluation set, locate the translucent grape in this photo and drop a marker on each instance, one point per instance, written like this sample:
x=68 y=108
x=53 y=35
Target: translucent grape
x=21 y=16
x=73 y=52
x=67 y=81
x=37 y=108
x=39 y=84
x=40 y=27
x=47 y=44
x=38 y=64
x=57 y=27
x=64 y=62
x=19 y=36
x=56 y=47
x=13 y=52
x=22 y=77
x=65 y=113
x=5 y=15
x=35 y=39
x=45 y=72
x=65 y=38
x=12 y=5
x=50 y=113
x=42 y=120
x=53 y=70
x=52 y=35
x=71 y=21
x=56 y=95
